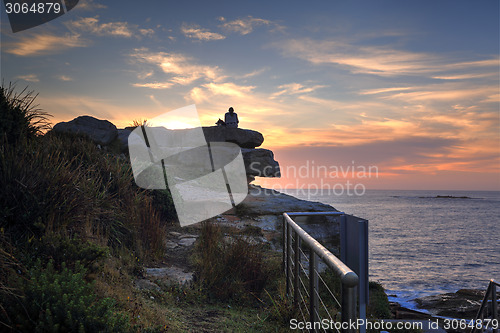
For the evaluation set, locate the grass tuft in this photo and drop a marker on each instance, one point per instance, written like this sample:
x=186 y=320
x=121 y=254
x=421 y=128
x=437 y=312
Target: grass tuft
x=229 y=267
x=22 y=119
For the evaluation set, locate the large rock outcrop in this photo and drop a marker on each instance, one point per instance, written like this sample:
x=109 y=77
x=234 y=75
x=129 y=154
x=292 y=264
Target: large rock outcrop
x=123 y=137
x=244 y=138
x=100 y=131
x=258 y=162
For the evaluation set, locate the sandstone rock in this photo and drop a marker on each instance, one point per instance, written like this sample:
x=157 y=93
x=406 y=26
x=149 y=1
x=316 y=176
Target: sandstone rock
x=171 y=245
x=191 y=137
x=262 y=204
x=123 y=137
x=244 y=138
x=463 y=304
x=268 y=223
x=260 y=162
x=262 y=201
x=99 y=131
x=187 y=236
x=187 y=241
x=172 y=274
x=145 y=284
x=191 y=146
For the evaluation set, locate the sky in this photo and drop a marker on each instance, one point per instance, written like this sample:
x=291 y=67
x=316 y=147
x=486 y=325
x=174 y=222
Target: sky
x=385 y=94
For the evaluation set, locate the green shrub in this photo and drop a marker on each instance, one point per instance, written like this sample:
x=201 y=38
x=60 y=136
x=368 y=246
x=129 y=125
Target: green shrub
x=9 y=268
x=334 y=284
x=378 y=307
x=63 y=302
x=61 y=249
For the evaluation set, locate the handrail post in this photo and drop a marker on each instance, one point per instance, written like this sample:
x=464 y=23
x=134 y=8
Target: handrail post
x=296 y=271
x=494 y=306
x=348 y=307
x=313 y=288
x=350 y=280
x=288 y=261
x=285 y=226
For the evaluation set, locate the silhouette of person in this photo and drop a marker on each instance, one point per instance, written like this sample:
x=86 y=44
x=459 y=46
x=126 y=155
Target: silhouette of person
x=231 y=118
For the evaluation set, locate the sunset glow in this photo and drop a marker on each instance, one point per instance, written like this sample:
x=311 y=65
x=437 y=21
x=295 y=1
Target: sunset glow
x=411 y=88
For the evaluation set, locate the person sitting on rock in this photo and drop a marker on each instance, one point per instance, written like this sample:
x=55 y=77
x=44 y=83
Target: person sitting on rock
x=231 y=118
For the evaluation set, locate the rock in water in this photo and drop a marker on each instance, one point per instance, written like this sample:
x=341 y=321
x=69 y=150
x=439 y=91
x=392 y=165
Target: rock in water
x=99 y=131
x=463 y=304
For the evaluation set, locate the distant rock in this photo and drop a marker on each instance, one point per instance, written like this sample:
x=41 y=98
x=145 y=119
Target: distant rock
x=100 y=131
x=260 y=162
x=244 y=138
x=451 y=197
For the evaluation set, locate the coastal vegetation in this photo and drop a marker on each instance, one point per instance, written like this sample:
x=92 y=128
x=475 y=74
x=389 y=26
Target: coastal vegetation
x=75 y=232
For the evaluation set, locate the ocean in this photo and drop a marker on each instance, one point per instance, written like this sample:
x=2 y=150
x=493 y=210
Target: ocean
x=421 y=245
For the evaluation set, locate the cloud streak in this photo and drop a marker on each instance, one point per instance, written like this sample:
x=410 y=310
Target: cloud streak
x=295 y=89
x=379 y=60
x=245 y=26
x=29 y=78
x=194 y=31
x=180 y=69
x=114 y=29
x=30 y=45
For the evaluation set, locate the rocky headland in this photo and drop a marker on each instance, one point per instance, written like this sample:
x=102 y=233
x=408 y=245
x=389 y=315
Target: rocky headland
x=258 y=161
x=262 y=209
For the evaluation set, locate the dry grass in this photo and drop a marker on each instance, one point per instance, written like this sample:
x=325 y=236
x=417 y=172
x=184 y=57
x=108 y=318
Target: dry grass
x=65 y=200
x=65 y=185
x=229 y=267
x=22 y=119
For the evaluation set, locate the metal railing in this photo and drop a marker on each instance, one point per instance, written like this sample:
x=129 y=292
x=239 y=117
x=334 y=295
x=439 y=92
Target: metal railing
x=484 y=310
x=307 y=295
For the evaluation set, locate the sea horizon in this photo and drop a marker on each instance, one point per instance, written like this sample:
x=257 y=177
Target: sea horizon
x=422 y=245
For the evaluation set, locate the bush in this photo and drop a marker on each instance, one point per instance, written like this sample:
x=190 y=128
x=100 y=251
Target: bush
x=60 y=249
x=66 y=185
x=9 y=267
x=63 y=302
x=229 y=268
x=379 y=307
